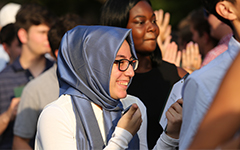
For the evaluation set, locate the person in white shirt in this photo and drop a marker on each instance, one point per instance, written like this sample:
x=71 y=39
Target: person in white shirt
x=95 y=67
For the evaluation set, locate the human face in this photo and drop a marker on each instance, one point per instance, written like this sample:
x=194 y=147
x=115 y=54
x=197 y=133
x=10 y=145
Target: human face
x=119 y=80
x=14 y=50
x=142 y=21
x=38 y=40
x=215 y=28
x=200 y=40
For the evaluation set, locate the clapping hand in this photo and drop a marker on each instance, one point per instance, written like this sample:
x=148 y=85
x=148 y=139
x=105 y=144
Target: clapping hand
x=131 y=120
x=174 y=117
x=191 y=58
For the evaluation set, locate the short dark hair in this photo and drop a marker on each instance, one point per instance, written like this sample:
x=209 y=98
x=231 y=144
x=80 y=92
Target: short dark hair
x=210 y=6
x=116 y=13
x=33 y=14
x=62 y=25
x=8 y=34
x=199 y=22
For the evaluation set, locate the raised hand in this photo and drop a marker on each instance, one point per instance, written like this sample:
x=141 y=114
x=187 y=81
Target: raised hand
x=191 y=58
x=172 y=54
x=163 y=23
x=164 y=36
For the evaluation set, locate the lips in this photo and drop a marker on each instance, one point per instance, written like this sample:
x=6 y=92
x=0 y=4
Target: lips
x=151 y=39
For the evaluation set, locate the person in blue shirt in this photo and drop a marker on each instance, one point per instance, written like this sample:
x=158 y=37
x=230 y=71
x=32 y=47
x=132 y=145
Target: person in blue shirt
x=201 y=86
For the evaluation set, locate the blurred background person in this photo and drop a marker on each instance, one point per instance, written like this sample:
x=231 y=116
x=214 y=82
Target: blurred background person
x=7 y=15
x=33 y=22
x=184 y=33
x=10 y=42
x=41 y=90
x=220 y=31
x=200 y=29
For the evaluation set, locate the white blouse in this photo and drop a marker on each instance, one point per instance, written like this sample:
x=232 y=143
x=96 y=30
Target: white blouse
x=56 y=128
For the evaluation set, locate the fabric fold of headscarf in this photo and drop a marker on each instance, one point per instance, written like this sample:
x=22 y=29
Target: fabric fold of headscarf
x=85 y=60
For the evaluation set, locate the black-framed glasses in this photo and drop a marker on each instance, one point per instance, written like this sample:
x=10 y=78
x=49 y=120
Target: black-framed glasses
x=123 y=64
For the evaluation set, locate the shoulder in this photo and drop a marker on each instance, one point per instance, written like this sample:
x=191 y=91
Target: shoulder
x=167 y=64
x=8 y=70
x=169 y=72
x=44 y=80
x=61 y=108
x=62 y=103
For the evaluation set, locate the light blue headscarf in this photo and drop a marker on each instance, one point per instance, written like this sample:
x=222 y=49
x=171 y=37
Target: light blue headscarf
x=85 y=60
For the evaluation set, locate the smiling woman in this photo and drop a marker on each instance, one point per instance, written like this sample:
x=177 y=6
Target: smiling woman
x=91 y=92
x=154 y=77
x=93 y=88
x=121 y=72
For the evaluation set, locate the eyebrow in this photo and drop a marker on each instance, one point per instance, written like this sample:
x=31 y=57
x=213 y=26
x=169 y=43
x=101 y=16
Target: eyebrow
x=141 y=16
x=121 y=56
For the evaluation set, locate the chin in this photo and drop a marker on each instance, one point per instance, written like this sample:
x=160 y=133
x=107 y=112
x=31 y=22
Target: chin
x=122 y=96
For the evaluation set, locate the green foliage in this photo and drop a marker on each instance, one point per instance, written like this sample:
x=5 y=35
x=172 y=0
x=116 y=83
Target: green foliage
x=178 y=9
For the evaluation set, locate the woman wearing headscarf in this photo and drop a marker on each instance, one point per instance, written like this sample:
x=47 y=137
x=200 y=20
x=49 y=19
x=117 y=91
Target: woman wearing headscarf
x=95 y=67
x=154 y=77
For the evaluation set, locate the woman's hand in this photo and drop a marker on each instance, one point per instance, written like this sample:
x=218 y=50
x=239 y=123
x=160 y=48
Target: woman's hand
x=131 y=120
x=174 y=117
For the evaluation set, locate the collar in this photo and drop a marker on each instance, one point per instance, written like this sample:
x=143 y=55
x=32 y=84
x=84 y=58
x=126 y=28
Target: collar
x=17 y=66
x=225 y=39
x=233 y=47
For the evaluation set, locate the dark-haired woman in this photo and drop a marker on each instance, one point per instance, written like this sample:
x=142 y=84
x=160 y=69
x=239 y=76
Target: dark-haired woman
x=154 y=77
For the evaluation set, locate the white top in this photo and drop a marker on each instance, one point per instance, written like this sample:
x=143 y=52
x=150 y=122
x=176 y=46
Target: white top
x=4 y=58
x=57 y=128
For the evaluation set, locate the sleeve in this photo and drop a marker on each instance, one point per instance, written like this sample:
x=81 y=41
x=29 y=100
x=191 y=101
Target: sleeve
x=166 y=143
x=195 y=104
x=27 y=114
x=55 y=130
x=126 y=136
x=120 y=139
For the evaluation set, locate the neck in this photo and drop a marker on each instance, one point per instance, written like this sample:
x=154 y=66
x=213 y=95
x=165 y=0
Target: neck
x=145 y=63
x=236 y=30
x=209 y=46
x=34 y=63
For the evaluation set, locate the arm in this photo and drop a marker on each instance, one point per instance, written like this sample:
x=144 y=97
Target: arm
x=8 y=115
x=26 y=120
x=21 y=143
x=222 y=119
x=169 y=140
x=196 y=101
